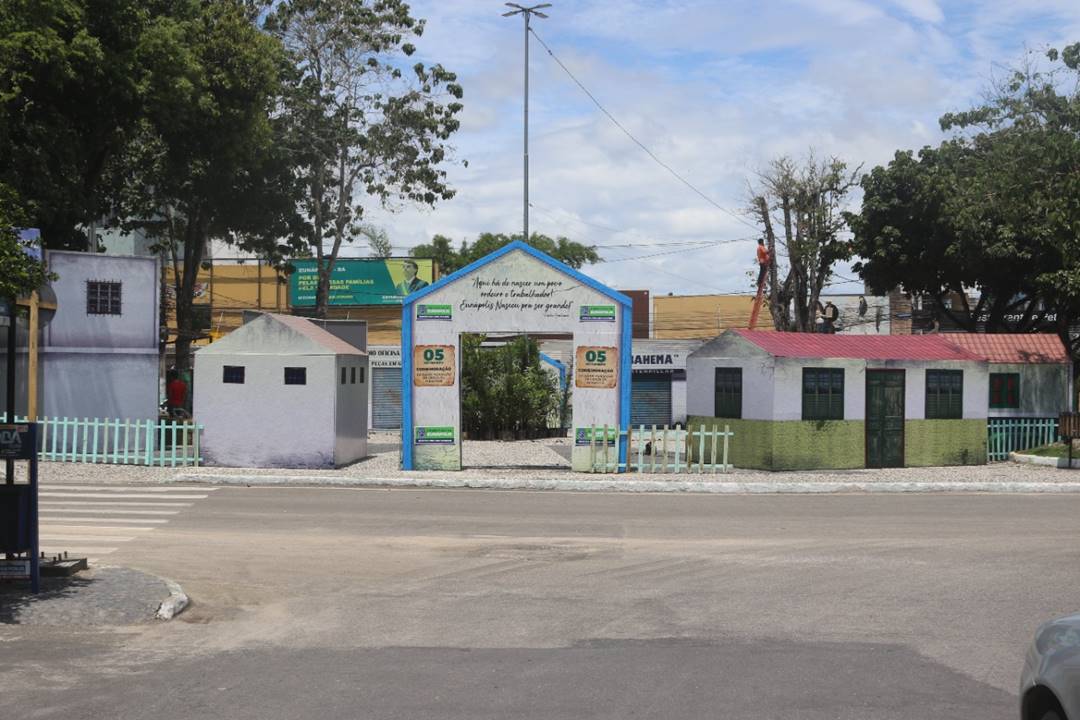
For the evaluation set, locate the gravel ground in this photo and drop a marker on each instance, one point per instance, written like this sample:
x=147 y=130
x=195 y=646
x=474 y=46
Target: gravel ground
x=546 y=459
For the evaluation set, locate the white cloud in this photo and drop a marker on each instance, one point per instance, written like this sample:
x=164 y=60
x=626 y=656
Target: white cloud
x=716 y=90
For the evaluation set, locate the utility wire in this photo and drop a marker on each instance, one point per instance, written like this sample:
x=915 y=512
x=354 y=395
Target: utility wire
x=637 y=142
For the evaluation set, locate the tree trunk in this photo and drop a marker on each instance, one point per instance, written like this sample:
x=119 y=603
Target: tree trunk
x=194 y=249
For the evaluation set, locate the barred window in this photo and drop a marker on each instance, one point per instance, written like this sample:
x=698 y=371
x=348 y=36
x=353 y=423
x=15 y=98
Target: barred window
x=944 y=394
x=823 y=394
x=296 y=376
x=102 y=298
x=1005 y=391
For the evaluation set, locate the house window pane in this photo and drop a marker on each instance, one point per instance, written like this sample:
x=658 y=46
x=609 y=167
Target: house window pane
x=354 y=376
x=361 y=375
x=1005 y=391
x=343 y=371
x=233 y=374
x=296 y=376
x=102 y=298
x=944 y=394
x=823 y=394
x=728 y=393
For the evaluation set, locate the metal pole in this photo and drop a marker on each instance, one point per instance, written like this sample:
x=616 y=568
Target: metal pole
x=525 y=209
x=10 y=410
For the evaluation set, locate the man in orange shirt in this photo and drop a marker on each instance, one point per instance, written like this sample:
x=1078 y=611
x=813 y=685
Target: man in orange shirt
x=175 y=392
x=764 y=260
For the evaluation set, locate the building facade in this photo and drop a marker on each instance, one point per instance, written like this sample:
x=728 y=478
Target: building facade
x=809 y=401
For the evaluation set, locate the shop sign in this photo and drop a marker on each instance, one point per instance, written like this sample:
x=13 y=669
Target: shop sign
x=597 y=313
x=596 y=367
x=385 y=357
x=15 y=442
x=433 y=366
x=435 y=435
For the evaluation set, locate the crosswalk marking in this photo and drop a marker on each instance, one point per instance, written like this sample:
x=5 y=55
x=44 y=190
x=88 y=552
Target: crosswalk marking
x=121 y=503
x=46 y=518
x=92 y=521
x=112 y=496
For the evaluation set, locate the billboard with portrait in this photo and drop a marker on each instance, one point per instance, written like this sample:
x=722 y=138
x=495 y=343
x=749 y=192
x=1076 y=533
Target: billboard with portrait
x=362 y=281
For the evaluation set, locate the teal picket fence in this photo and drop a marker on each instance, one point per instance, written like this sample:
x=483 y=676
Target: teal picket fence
x=161 y=443
x=1006 y=435
x=661 y=450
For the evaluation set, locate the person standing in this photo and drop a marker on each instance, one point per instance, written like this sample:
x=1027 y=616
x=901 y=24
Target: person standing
x=175 y=392
x=764 y=259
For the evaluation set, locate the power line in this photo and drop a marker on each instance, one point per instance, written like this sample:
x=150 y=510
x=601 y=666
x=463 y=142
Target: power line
x=637 y=142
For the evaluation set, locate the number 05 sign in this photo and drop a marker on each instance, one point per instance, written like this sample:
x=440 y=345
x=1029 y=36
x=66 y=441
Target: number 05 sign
x=433 y=366
x=596 y=367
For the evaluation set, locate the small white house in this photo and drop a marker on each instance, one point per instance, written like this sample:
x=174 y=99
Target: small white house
x=280 y=391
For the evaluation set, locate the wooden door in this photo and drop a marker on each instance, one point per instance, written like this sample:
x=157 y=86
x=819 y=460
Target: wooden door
x=884 y=418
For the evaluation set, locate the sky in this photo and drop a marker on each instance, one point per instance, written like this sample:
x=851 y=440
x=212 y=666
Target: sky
x=716 y=90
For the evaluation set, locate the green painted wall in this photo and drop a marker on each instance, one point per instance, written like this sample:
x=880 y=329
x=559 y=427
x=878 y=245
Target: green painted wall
x=841 y=444
x=944 y=442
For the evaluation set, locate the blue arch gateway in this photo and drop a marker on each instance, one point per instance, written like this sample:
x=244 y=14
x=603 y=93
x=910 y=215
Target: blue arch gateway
x=516 y=289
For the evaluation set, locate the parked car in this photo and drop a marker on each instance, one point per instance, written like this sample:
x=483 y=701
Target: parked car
x=1050 y=684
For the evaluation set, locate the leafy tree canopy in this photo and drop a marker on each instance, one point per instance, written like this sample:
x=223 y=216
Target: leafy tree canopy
x=504 y=390
x=441 y=250
x=20 y=273
x=992 y=209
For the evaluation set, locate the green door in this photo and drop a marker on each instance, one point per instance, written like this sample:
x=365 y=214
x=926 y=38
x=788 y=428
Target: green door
x=884 y=418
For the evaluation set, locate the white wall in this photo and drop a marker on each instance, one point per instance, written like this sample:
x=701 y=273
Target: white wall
x=1045 y=389
x=557 y=311
x=757 y=385
x=351 y=409
x=264 y=422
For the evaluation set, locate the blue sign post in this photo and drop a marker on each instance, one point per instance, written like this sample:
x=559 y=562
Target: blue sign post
x=19 y=506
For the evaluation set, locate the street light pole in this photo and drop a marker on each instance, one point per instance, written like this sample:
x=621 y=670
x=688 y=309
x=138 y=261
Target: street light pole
x=527 y=13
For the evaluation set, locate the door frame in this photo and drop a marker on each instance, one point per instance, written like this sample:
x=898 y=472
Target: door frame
x=866 y=415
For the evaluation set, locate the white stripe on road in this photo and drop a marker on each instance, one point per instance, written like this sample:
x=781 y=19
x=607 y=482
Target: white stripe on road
x=103 y=505
x=111 y=496
x=119 y=512
x=48 y=527
x=127 y=488
x=85 y=538
x=61 y=518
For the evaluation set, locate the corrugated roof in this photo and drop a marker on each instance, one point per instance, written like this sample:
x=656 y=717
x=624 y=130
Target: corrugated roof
x=316 y=334
x=1012 y=348
x=863 y=347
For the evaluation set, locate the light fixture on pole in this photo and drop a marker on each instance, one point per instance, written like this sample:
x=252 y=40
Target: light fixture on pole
x=527 y=12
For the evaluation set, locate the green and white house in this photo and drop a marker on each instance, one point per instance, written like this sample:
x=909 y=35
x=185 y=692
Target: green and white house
x=804 y=401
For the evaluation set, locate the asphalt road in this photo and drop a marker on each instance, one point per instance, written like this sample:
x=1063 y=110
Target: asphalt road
x=335 y=603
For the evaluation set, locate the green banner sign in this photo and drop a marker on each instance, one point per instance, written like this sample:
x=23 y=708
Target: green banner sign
x=584 y=436
x=361 y=281
x=597 y=313
x=434 y=312
x=435 y=435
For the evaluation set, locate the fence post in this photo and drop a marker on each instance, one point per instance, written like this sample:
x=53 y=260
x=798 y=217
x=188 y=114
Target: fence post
x=727 y=436
x=198 y=456
x=604 y=439
x=652 y=447
x=592 y=448
x=641 y=450
x=677 y=444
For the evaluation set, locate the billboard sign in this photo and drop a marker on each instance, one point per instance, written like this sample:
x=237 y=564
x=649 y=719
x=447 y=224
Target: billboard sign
x=361 y=281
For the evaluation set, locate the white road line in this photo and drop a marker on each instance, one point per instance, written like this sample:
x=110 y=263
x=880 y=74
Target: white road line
x=110 y=496
x=51 y=537
x=120 y=512
x=120 y=503
x=48 y=527
x=61 y=518
x=125 y=488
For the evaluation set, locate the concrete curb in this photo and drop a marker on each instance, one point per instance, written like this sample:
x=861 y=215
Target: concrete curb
x=174 y=604
x=1042 y=460
x=634 y=486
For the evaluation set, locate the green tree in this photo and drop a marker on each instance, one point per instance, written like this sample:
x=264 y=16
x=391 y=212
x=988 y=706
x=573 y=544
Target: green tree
x=378 y=241
x=204 y=163
x=362 y=125
x=805 y=201
x=20 y=273
x=69 y=102
x=442 y=251
x=992 y=209
x=504 y=390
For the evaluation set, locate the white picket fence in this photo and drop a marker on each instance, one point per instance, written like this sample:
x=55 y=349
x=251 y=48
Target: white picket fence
x=661 y=450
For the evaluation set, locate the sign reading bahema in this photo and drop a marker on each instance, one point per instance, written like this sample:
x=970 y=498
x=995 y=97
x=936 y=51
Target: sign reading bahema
x=362 y=281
